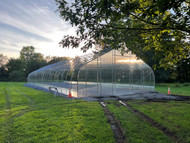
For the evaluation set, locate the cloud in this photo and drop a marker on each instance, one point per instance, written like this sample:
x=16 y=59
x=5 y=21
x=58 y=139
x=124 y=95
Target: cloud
x=35 y=22
x=20 y=31
x=31 y=16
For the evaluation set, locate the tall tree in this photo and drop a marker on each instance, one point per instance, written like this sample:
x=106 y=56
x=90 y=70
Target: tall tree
x=31 y=59
x=37 y=61
x=158 y=25
x=27 y=53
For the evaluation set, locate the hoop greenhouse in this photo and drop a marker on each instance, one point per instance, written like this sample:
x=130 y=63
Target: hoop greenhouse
x=107 y=73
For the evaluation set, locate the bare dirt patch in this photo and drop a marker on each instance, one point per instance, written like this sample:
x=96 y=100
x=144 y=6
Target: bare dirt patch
x=119 y=133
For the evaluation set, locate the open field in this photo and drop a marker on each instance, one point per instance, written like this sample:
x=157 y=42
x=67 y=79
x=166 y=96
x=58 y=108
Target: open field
x=174 y=115
x=176 y=88
x=28 y=115
x=136 y=129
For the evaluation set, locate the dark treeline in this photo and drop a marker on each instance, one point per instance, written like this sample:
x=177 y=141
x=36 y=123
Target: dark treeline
x=180 y=72
x=17 y=69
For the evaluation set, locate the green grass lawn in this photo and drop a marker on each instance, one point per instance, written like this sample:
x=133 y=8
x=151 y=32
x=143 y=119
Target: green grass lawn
x=28 y=115
x=175 y=115
x=175 y=88
x=136 y=129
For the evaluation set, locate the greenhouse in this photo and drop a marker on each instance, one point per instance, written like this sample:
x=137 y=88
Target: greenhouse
x=106 y=73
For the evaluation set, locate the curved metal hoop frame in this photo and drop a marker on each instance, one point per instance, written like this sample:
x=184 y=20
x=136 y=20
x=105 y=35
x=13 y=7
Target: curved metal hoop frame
x=105 y=73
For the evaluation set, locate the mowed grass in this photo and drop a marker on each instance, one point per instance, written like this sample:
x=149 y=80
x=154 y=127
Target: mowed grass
x=136 y=129
x=28 y=115
x=175 y=115
x=175 y=88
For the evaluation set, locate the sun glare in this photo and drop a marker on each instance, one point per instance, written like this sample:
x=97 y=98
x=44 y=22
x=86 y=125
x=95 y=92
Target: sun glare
x=130 y=61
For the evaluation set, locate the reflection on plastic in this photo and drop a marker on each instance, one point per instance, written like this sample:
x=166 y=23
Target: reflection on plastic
x=129 y=61
x=107 y=73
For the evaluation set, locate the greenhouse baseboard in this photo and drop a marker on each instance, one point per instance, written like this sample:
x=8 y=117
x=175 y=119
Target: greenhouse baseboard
x=92 y=89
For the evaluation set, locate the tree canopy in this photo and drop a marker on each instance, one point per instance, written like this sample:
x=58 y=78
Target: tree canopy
x=161 y=27
x=54 y=59
x=32 y=60
x=27 y=53
x=17 y=69
x=15 y=64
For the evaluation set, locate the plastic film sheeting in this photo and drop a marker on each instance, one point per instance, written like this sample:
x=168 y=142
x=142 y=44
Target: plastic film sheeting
x=107 y=73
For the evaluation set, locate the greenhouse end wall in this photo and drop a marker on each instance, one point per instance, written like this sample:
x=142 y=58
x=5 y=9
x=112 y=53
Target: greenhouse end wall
x=107 y=73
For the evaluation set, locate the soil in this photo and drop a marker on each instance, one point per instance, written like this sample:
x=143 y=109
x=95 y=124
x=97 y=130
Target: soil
x=118 y=132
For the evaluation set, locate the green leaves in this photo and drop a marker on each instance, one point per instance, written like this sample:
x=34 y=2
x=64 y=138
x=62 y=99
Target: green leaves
x=159 y=25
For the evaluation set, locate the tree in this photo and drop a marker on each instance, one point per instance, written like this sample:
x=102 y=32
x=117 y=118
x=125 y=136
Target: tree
x=183 y=70
x=3 y=74
x=54 y=59
x=37 y=61
x=3 y=60
x=16 y=70
x=17 y=75
x=158 y=25
x=15 y=64
x=3 y=70
x=32 y=60
x=27 y=53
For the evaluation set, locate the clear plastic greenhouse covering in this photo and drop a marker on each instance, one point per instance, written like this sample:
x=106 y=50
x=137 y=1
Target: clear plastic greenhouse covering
x=106 y=73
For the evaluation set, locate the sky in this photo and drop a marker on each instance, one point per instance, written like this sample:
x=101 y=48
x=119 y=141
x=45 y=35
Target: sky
x=33 y=23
